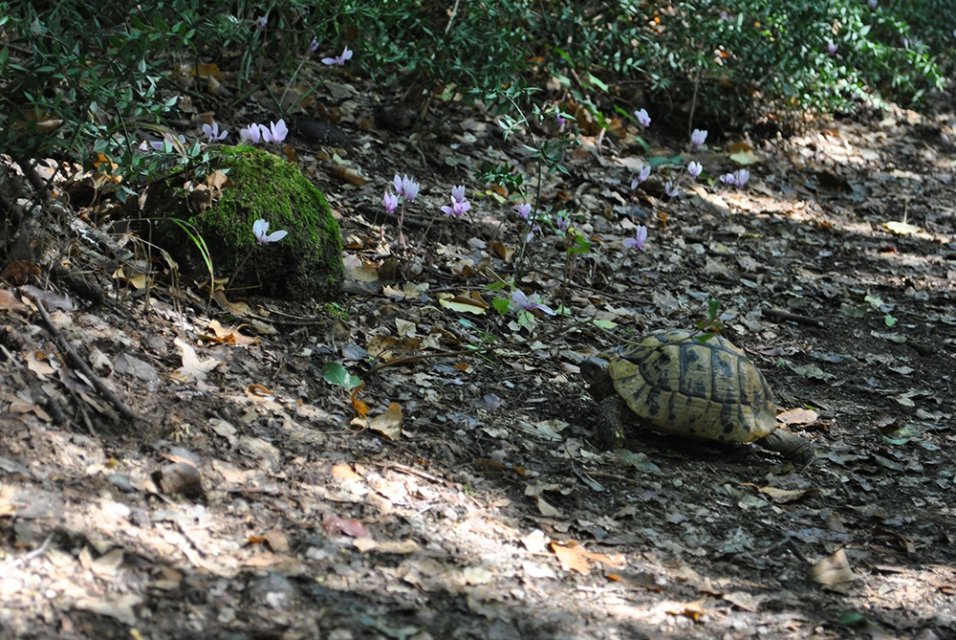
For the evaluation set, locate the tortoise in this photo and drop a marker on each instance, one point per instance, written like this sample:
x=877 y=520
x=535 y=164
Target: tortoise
x=677 y=382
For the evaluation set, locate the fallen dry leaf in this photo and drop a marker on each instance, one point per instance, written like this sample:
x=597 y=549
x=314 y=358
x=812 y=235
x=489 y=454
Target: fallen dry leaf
x=693 y=610
x=222 y=335
x=798 y=416
x=833 y=570
x=335 y=525
x=342 y=471
x=9 y=302
x=574 y=557
x=785 y=496
x=388 y=424
x=193 y=368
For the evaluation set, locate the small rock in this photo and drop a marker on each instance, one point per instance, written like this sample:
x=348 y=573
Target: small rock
x=179 y=477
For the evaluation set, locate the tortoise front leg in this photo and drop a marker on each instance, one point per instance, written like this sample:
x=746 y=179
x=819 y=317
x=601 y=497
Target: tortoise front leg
x=790 y=445
x=611 y=422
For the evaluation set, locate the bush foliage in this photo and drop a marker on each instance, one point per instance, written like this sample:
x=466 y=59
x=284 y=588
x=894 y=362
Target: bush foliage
x=81 y=78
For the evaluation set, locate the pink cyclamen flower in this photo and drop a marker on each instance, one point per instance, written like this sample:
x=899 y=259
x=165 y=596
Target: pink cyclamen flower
x=524 y=210
x=211 y=131
x=737 y=179
x=262 y=22
x=524 y=303
x=406 y=187
x=534 y=230
x=459 y=205
x=260 y=228
x=276 y=133
x=831 y=47
x=637 y=242
x=340 y=59
x=457 y=208
x=694 y=168
x=250 y=134
x=671 y=189
x=390 y=202
x=313 y=45
x=643 y=118
x=562 y=223
x=160 y=145
x=642 y=176
x=698 y=137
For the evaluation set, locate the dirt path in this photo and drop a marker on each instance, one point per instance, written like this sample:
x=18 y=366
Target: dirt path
x=490 y=514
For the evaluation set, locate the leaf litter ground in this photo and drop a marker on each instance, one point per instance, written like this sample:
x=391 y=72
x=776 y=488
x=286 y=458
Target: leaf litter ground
x=247 y=499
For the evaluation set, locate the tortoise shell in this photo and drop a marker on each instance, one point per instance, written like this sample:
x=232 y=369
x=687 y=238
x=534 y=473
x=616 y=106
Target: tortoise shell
x=709 y=390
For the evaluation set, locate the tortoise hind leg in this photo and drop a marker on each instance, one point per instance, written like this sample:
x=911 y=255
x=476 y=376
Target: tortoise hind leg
x=790 y=445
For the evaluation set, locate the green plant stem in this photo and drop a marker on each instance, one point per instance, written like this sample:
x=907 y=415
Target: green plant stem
x=532 y=219
x=236 y=270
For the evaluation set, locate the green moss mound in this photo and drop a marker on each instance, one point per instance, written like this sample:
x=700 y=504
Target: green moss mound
x=307 y=263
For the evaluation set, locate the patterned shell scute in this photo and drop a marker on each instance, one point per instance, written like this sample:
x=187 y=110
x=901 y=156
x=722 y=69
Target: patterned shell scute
x=710 y=390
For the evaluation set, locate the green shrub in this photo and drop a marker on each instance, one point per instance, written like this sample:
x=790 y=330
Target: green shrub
x=79 y=77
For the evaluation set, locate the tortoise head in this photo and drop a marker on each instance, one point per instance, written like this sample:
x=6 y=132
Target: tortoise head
x=595 y=372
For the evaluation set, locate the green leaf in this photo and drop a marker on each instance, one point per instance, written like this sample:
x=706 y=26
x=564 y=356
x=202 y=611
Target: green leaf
x=854 y=619
x=597 y=82
x=337 y=375
x=581 y=245
x=851 y=311
x=889 y=320
x=659 y=161
x=526 y=319
x=605 y=324
x=501 y=305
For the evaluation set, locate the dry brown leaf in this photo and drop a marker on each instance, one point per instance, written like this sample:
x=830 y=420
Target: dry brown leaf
x=388 y=424
x=347 y=174
x=501 y=250
x=833 y=570
x=535 y=542
x=574 y=557
x=571 y=557
x=232 y=336
x=469 y=302
x=358 y=405
x=693 y=610
x=335 y=525
x=217 y=179
x=193 y=368
x=41 y=364
x=798 y=416
x=342 y=471
x=20 y=272
x=9 y=302
x=547 y=509
x=237 y=309
x=277 y=541
x=398 y=547
x=119 y=608
x=256 y=390
x=746 y=601
x=360 y=270
x=785 y=496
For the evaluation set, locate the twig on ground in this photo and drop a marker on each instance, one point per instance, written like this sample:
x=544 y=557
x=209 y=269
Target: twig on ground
x=15 y=562
x=74 y=359
x=783 y=314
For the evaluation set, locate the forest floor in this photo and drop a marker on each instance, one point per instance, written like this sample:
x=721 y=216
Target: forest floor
x=246 y=497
